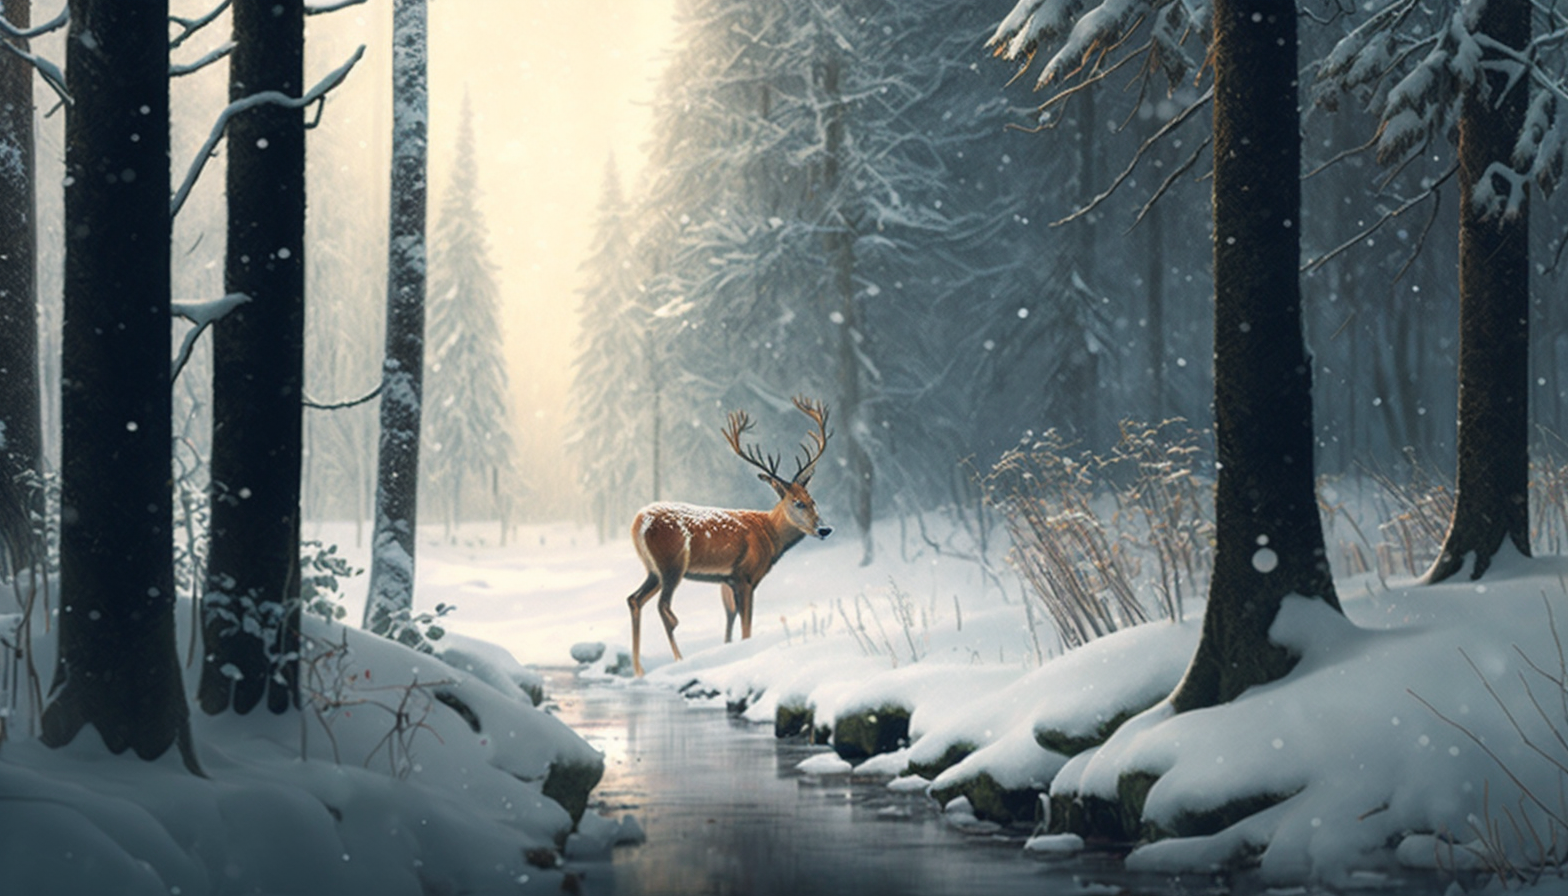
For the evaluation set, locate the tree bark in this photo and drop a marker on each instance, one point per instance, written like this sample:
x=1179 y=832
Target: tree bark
x=391 y=597
x=839 y=243
x=250 y=619
x=1269 y=540
x=1491 y=500
x=117 y=670
x=21 y=442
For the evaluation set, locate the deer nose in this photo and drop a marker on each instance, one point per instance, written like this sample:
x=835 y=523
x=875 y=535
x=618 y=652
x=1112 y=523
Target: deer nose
x=824 y=531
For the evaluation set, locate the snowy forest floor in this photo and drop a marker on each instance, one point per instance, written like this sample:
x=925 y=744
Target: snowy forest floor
x=1420 y=730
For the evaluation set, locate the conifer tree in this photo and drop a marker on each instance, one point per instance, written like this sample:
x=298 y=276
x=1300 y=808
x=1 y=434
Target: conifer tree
x=468 y=438
x=611 y=387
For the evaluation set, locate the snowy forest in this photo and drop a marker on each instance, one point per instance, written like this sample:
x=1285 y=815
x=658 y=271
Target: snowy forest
x=1168 y=361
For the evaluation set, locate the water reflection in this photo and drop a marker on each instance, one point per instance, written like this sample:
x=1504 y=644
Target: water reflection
x=726 y=813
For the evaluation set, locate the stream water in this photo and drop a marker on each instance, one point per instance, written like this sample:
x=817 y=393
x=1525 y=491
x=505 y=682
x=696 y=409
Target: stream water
x=726 y=812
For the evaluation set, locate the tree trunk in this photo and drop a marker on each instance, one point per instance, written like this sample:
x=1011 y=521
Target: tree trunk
x=391 y=597
x=1155 y=319
x=250 y=619
x=1269 y=540
x=1491 y=500
x=840 y=249
x=118 y=670
x=21 y=443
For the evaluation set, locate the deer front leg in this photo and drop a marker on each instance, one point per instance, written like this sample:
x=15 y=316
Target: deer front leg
x=745 y=594
x=728 y=594
x=639 y=597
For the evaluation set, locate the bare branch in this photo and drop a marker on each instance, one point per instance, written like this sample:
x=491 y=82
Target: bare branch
x=203 y=315
x=217 y=53
x=1176 y=121
x=267 y=97
x=321 y=9
x=1429 y=193
x=1170 y=181
x=309 y=402
x=59 y=21
x=191 y=26
x=47 y=70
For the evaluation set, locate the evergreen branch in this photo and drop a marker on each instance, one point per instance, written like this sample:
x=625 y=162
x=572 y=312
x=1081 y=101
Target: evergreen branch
x=334 y=406
x=266 y=97
x=11 y=31
x=191 y=26
x=217 y=53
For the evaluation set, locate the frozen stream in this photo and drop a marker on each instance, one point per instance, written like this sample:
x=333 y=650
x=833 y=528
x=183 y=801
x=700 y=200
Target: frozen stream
x=726 y=812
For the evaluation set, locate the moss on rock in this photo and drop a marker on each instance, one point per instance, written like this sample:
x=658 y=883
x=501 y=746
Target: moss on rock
x=869 y=732
x=950 y=757
x=791 y=718
x=1058 y=741
x=993 y=802
x=569 y=784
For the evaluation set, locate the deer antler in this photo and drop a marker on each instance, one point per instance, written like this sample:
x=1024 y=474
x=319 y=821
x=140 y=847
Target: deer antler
x=818 y=412
x=739 y=424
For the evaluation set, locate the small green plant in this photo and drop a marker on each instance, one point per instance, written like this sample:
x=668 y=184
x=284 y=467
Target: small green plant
x=321 y=568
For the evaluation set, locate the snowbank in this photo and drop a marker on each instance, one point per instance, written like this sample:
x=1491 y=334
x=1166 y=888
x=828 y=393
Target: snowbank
x=334 y=800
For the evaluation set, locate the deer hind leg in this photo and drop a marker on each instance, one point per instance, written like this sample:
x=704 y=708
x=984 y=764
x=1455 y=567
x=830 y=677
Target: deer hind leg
x=639 y=597
x=670 y=580
x=730 y=611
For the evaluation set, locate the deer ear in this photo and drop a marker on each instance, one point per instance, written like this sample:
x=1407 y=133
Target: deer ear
x=804 y=479
x=777 y=486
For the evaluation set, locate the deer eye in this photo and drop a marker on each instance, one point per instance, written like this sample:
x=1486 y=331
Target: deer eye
x=801 y=505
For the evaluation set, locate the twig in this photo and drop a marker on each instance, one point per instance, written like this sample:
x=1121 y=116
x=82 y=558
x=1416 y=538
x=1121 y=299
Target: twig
x=191 y=26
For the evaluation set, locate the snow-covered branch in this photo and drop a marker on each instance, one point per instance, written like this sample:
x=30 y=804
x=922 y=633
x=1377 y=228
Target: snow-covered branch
x=319 y=9
x=267 y=97
x=339 y=405
x=59 y=21
x=189 y=26
x=203 y=315
x=47 y=70
x=219 y=52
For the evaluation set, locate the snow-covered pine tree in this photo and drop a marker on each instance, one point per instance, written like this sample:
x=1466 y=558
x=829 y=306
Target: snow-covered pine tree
x=468 y=461
x=612 y=392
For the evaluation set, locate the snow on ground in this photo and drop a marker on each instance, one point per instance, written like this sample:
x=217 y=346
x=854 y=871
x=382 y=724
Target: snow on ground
x=1360 y=765
x=340 y=801
x=1364 y=774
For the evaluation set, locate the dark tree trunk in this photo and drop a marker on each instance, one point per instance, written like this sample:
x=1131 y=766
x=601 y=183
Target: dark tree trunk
x=1269 y=541
x=1155 y=320
x=1492 y=499
x=258 y=372
x=21 y=443
x=118 y=671
x=391 y=598
x=839 y=244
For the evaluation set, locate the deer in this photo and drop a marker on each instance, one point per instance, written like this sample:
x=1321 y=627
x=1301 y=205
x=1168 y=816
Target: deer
x=733 y=548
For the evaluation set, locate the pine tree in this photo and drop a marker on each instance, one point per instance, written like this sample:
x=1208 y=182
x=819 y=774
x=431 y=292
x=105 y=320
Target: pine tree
x=467 y=424
x=611 y=385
